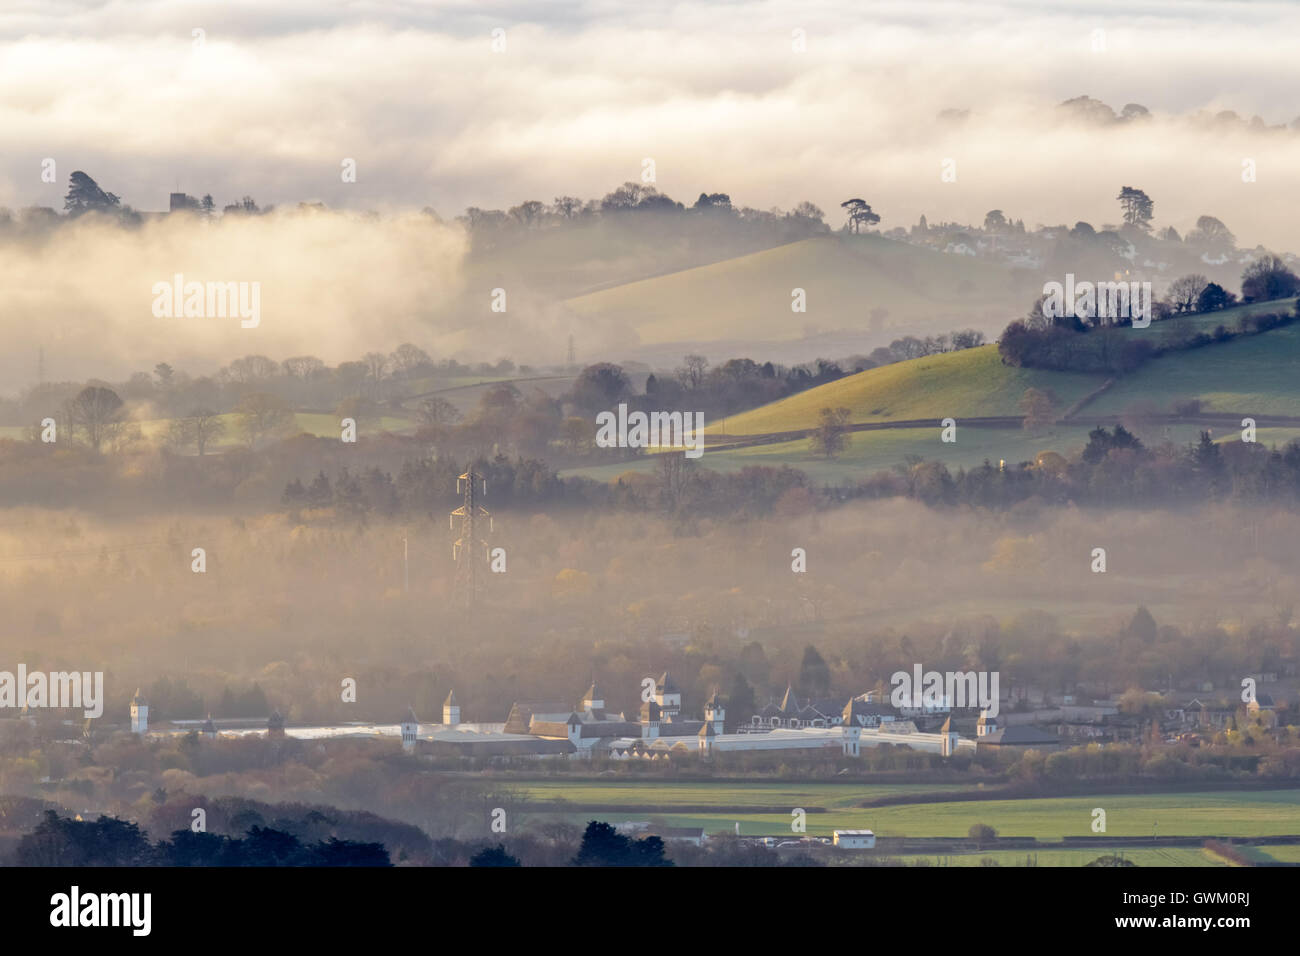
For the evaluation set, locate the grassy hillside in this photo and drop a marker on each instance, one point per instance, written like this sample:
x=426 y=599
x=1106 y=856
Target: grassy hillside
x=971 y=383
x=1251 y=374
x=844 y=278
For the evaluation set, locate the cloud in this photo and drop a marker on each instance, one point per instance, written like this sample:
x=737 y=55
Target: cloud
x=332 y=284
x=275 y=98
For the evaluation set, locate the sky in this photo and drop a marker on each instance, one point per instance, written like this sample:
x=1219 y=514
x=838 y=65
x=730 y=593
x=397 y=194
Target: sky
x=270 y=99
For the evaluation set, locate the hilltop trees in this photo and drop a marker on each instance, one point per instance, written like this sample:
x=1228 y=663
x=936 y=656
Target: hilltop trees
x=860 y=214
x=1214 y=297
x=1137 y=206
x=1268 y=278
x=1184 y=292
x=84 y=195
x=1213 y=234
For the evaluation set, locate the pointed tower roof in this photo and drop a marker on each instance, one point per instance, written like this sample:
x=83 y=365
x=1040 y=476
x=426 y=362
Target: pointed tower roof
x=789 y=702
x=451 y=699
x=985 y=719
x=649 y=711
x=714 y=701
x=947 y=726
x=410 y=717
x=593 y=692
x=667 y=685
x=707 y=730
x=138 y=698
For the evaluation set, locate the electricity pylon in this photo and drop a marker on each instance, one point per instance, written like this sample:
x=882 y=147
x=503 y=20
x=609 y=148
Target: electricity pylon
x=463 y=551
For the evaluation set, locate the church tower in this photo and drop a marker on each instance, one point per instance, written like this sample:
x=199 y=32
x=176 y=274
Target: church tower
x=410 y=730
x=715 y=713
x=948 y=746
x=649 y=720
x=593 y=700
x=450 y=710
x=669 y=698
x=139 y=714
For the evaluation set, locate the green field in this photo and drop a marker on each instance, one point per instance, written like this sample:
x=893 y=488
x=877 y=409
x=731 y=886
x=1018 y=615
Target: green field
x=706 y=793
x=1222 y=814
x=1282 y=853
x=970 y=383
x=1140 y=856
x=1253 y=374
x=844 y=279
x=872 y=451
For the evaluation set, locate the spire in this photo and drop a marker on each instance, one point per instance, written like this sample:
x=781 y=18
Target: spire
x=947 y=726
x=410 y=716
x=789 y=703
x=451 y=699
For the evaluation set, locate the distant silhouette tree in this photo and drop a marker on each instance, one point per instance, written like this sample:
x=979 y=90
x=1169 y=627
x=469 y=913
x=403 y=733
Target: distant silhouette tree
x=94 y=411
x=814 y=673
x=84 y=195
x=830 y=437
x=1137 y=207
x=1213 y=298
x=1268 y=278
x=602 y=845
x=860 y=214
x=494 y=856
x=1185 y=291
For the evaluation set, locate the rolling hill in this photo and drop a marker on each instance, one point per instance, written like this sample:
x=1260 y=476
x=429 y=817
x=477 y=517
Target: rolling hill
x=844 y=278
x=1248 y=376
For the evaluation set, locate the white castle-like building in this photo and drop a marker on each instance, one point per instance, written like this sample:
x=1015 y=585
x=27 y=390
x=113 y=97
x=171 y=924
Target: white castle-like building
x=547 y=728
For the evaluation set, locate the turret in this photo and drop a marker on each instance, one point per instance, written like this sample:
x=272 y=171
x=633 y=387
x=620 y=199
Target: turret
x=851 y=728
x=410 y=730
x=706 y=736
x=650 y=720
x=715 y=713
x=139 y=714
x=669 y=697
x=948 y=745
